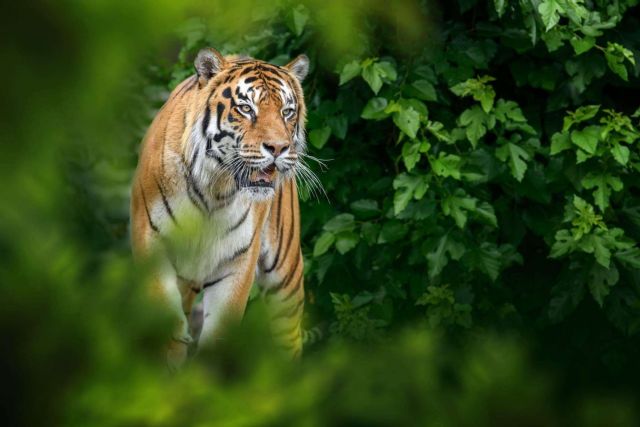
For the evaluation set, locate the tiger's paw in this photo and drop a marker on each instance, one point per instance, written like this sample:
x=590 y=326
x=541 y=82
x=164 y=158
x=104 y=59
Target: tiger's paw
x=178 y=351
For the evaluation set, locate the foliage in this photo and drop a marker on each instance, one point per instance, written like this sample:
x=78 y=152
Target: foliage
x=481 y=211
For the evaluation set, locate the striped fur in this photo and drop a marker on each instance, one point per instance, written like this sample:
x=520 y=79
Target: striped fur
x=215 y=198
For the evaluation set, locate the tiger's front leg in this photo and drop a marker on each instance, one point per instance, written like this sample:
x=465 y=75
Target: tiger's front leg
x=281 y=270
x=284 y=295
x=227 y=293
x=167 y=287
x=224 y=302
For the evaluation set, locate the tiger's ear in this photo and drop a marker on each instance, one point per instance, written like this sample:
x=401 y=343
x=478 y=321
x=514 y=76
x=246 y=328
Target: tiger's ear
x=208 y=63
x=299 y=67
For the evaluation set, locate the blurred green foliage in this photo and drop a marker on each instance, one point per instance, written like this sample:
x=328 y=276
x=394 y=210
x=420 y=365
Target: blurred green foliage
x=474 y=261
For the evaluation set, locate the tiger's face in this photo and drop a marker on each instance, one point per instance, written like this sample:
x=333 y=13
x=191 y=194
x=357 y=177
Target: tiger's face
x=253 y=122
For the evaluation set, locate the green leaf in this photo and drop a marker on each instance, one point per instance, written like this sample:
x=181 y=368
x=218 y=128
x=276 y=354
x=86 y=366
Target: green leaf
x=339 y=223
x=437 y=129
x=582 y=45
x=370 y=232
x=392 y=231
x=486 y=98
x=554 y=39
x=516 y=158
x=411 y=154
x=408 y=120
x=350 y=71
x=323 y=243
x=438 y=259
x=601 y=280
x=338 y=125
x=387 y=70
x=580 y=115
x=487 y=259
x=620 y=153
x=319 y=137
x=587 y=138
x=457 y=205
x=376 y=73
x=560 y=142
x=371 y=74
x=564 y=243
x=346 y=241
x=486 y=212
x=616 y=54
x=474 y=120
x=424 y=90
x=550 y=13
x=365 y=208
x=596 y=244
x=298 y=19
x=446 y=165
x=629 y=257
x=509 y=110
x=375 y=109
x=603 y=184
x=408 y=187
x=479 y=89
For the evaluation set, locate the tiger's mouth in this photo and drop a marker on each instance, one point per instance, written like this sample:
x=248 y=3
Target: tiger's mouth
x=262 y=178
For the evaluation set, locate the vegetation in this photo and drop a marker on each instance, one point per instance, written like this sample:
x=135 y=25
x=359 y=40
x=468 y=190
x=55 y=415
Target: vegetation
x=472 y=258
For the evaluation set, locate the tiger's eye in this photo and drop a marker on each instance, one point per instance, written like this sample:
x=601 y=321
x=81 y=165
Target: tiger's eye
x=245 y=108
x=287 y=112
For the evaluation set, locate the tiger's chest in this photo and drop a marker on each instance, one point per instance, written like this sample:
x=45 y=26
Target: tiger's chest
x=204 y=246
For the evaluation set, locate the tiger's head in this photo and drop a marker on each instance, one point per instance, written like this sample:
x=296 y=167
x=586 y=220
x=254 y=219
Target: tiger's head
x=251 y=128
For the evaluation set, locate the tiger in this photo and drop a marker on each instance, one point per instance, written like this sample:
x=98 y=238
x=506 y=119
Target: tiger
x=214 y=199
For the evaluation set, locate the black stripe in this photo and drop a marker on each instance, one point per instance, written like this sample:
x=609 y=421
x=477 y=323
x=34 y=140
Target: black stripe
x=192 y=181
x=164 y=137
x=214 y=282
x=248 y=70
x=186 y=86
x=277 y=257
x=190 y=194
x=226 y=195
x=211 y=154
x=280 y=230
x=288 y=311
x=291 y=231
x=243 y=250
x=241 y=221
x=191 y=184
x=221 y=133
x=146 y=208
x=205 y=120
x=166 y=202
x=270 y=69
x=272 y=79
x=287 y=278
x=298 y=282
x=218 y=136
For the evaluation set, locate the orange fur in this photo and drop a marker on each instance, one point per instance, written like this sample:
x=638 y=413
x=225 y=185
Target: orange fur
x=225 y=146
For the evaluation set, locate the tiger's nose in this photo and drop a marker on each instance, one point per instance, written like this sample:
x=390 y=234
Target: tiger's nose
x=275 y=148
